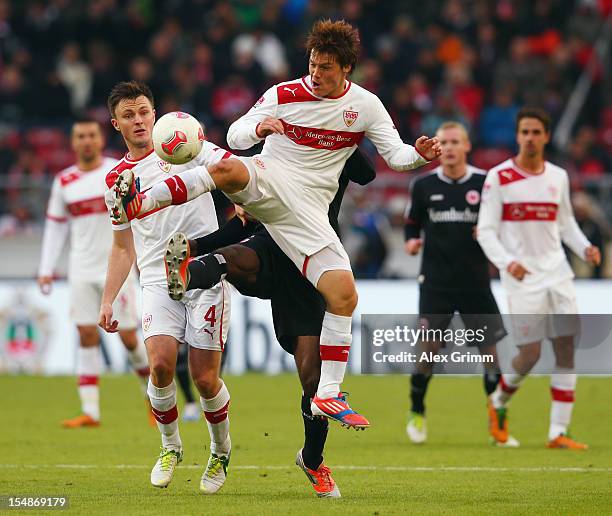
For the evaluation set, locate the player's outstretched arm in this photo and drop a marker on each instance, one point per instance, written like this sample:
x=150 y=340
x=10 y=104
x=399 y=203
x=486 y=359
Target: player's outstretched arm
x=120 y=262
x=397 y=154
x=258 y=123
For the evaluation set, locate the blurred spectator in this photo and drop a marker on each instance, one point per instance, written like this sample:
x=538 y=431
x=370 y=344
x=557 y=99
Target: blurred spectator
x=445 y=109
x=267 y=50
x=585 y=158
x=76 y=75
x=497 y=123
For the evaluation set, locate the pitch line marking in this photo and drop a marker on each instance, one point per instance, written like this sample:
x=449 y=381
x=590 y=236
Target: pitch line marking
x=413 y=469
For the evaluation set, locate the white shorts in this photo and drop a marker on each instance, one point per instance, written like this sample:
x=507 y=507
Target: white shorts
x=86 y=297
x=547 y=313
x=201 y=318
x=307 y=239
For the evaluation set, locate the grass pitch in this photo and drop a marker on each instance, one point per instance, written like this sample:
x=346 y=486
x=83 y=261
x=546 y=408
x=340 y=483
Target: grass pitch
x=106 y=470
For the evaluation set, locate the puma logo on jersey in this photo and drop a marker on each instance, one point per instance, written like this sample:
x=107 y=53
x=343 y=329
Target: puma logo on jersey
x=506 y=173
x=209 y=332
x=177 y=187
x=290 y=90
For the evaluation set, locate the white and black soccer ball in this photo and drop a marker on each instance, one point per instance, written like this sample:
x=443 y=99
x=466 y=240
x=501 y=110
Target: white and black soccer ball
x=177 y=137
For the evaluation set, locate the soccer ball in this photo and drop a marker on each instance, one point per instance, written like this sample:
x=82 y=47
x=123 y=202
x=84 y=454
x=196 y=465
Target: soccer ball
x=177 y=137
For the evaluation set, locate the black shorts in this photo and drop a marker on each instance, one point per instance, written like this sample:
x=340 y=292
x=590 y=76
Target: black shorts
x=477 y=308
x=297 y=307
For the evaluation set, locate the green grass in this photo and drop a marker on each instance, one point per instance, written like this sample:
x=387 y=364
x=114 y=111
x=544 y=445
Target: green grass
x=40 y=458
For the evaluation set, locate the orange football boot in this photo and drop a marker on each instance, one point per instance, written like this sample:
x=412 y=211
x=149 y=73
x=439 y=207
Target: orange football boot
x=565 y=442
x=80 y=421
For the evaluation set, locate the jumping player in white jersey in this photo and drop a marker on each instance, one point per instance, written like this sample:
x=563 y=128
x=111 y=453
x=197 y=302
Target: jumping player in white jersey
x=76 y=206
x=310 y=126
x=200 y=319
x=525 y=214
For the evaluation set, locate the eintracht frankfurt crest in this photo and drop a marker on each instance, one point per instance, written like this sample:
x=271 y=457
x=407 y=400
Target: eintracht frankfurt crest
x=350 y=117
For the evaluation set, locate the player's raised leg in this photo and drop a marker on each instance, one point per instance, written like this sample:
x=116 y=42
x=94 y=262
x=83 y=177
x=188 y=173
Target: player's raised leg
x=162 y=351
x=125 y=202
x=562 y=389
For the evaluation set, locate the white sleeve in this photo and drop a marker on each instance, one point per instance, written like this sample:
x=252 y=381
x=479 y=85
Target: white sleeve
x=570 y=232
x=489 y=222
x=383 y=134
x=56 y=231
x=241 y=134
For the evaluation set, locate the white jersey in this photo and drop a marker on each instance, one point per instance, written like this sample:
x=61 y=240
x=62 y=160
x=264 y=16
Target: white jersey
x=77 y=197
x=152 y=230
x=524 y=217
x=320 y=134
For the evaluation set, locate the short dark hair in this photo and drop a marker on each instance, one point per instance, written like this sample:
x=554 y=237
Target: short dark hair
x=85 y=119
x=339 y=39
x=534 y=112
x=127 y=90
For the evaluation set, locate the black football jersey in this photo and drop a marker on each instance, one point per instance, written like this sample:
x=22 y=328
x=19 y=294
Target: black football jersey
x=446 y=212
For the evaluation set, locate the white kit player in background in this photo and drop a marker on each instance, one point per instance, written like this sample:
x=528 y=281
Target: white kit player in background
x=525 y=215
x=200 y=319
x=310 y=127
x=76 y=206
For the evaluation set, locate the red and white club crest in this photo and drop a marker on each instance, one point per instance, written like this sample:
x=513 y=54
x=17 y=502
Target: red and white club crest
x=472 y=197
x=350 y=117
x=146 y=321
x=164 y=165
x=170 y=145
x=259 y=162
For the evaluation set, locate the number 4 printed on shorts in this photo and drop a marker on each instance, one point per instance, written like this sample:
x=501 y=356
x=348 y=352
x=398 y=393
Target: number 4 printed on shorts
x=211 y=316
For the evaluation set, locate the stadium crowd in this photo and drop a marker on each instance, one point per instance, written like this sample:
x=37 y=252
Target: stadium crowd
x=474 y=61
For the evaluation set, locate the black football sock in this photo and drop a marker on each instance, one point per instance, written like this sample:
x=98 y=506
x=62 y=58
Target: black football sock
x=207 y=271
x=418 y=389
x=182 y=374
x=491 y=379
x=315 y=435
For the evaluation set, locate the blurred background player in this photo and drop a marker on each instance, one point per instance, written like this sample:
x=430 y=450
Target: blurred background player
x=454 y=270
x=525 y=216
x=245 y=254
x=200 y=320
x=77 y=206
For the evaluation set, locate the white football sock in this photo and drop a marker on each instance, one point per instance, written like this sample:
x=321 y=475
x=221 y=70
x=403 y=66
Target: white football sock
x=163 y=403
x=507 y=386
x=216 y=411
x=334 y=348
x=562 y=389
x=89 y=367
